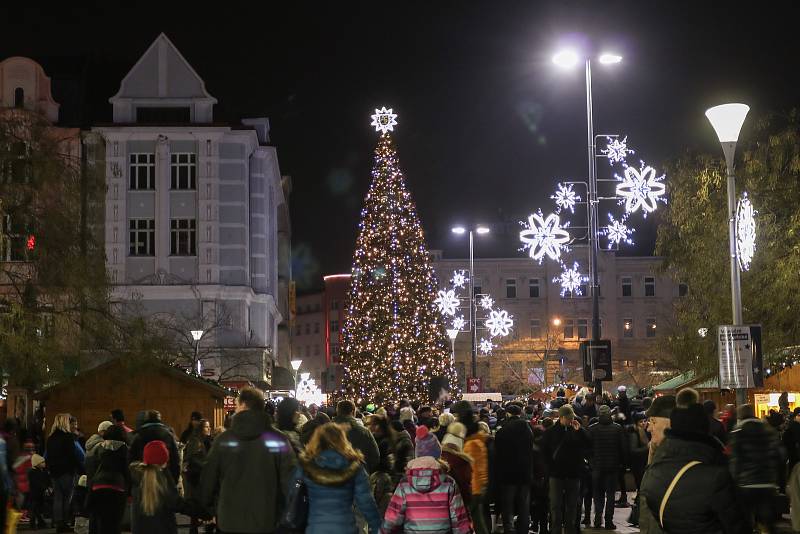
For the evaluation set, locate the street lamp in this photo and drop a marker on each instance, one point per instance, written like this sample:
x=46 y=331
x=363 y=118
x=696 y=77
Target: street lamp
x=473 y=311
x=727 y=121
x=568 y=59
x=556 y=322
x=197 y=335
x=295 y=366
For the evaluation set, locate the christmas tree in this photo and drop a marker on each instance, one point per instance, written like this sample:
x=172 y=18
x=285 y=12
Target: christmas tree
x=394 y=344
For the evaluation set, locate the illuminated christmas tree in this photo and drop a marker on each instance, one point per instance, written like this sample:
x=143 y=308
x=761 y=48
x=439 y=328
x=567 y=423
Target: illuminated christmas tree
x=394 y=344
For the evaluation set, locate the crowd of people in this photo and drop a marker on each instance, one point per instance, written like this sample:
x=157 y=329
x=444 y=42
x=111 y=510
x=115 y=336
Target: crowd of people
x=521 y=467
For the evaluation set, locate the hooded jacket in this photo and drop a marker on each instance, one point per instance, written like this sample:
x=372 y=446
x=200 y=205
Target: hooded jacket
x=609 y=445
x=333 y=484
x=703 y=501
x=403 y=452
x=514 y=452
x=107 y=466
x=461 y=471
x=151 y=432
x=247 y=474
x=475 y=448
x=362 y=440
x=426 y=501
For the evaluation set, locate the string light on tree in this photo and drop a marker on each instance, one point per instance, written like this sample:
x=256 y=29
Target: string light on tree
x=499 y=323
x=617 y=231
x=487 y=302
x=447 y=301
x=565 y=198
x=745 y=232
x=641 y=188
x=616 y=151
x=384 y=120
x=544 y=236
x=460 y=278
x=571 y=280
x=485 y=346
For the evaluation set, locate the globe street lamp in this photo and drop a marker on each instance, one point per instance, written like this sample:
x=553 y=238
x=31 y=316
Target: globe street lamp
x=197 y=335
x=727 y=121
x=480 y=230
x=295 y=366
x=569 y=59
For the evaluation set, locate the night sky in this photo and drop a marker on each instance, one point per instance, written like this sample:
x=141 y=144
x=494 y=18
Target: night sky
x=487 y=125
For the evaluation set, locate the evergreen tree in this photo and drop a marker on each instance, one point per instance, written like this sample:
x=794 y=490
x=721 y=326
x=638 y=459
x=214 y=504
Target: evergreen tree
x=394 y=342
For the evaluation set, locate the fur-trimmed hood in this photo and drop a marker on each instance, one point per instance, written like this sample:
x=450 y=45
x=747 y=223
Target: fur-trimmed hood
x=458 y=454
x=330 y=468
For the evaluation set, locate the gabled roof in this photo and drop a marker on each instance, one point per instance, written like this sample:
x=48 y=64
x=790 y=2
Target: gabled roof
x=675 y=382
x=162 y=72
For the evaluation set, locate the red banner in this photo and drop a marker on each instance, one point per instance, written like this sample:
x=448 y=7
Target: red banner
x=474 y=385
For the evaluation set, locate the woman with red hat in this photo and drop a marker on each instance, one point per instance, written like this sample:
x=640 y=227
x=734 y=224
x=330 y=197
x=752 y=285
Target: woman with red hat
x=155 y=499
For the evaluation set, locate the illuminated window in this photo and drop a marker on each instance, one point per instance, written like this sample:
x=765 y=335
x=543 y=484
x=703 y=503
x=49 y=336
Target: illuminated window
x=651 y=327
x=627 y=328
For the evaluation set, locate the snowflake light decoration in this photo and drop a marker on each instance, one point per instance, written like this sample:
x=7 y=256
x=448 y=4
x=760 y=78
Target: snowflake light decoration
x=447 y=301
x=617 y=231
x=486 y=346
x=384 y=120
x=571 y=280
x=487 y=302
x=617 y=151
x=544 y=236
x=745 y=232
x=641 y=188
x=459 y=323
x=499 y=323
x=459 y=278
x=565 y=198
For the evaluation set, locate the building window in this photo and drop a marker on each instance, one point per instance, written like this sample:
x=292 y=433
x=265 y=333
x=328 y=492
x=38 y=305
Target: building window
x=536 y=329
x=583 y=328
x=651 y=327
x=142 y=237
x=533 y=288
x=627 y=328
x=683 y=290
x=183 y=169
x=298 y=330
x=649 y=286
x=334 y=326
x=316 y=328
x=511 y=289
x=627 y=363
x=334 y=304
x=308 y=328
x=569 y=329
x=142 y=172
x=334 y=353
x=19 y=97
x=183 y=237
x=627 y=286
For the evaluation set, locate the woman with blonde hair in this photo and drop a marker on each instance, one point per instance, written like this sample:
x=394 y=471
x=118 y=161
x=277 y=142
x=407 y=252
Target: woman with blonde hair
x=155 y=499
x=65 y=459
x=333 y=472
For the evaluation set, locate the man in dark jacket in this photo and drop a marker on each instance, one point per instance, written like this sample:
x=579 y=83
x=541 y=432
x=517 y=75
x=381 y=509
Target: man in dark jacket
x=247 y=470
x=514 y=463
x=756 y=457
x=791 y=439
x=564 y=447
x=308 y=429
x=151 y=430
x=703 y=500
x=716 y=428
x=360 y=437
x=609 y=452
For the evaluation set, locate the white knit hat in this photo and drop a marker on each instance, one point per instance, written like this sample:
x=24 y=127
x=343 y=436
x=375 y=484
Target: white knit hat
x=406 y=414
x=456 y=432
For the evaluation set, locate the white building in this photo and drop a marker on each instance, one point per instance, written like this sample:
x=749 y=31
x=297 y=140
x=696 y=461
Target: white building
x=194 y=210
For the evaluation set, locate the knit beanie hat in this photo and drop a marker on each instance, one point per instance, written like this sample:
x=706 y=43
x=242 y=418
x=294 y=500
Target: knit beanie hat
x=456 y=432
x=691 y=419
x=446 y=419
x=36 y=460
x=105 y=425
x=155 y=453
x=427 y=444
x=406 y=414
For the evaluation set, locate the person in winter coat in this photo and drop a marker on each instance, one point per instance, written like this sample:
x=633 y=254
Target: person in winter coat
x=755 y=461
x=565 y=446
x=96 y=439
x=380 y=481
x=460 y=464
x=39 y=482
x=407 y=418
x=248 y=470
x=513 y=459
x=155 y=497
x=194 y=458
x=539 y=484
x=288 y=414
x=320 y=418
x=445 y=420
x=108 y=480
x=609 y=452
x=475 y=449
x=153 y=429
x=334 y=475
x=427 y=500
x=703 y=499
x=638 y=446
x=403 y=450
x=65 y=460
x=194 y=420
x=358 y=435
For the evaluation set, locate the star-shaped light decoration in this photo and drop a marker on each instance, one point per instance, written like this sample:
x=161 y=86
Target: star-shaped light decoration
x=617 y=151
x=459 y=323
x=571 y=280
x=486 y=346
x=459 y=278
x=641 y=188
x=487 y=302
x=384 y=120
x=447 y=301
x=745 y=232
x=544 y=237
x=499 y=323
x=565 y=197
x=617 y=231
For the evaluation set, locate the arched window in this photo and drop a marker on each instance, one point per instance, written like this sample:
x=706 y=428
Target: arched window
x=19 y=97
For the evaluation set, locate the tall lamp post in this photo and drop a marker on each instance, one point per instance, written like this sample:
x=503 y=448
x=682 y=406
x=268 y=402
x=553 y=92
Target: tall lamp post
x=295 y=367
x=727 y=121
x=197 y=335
x=568 y=59
x=480 y=230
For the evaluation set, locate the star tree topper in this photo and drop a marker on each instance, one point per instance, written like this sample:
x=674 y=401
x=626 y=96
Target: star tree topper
x=384 y=120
